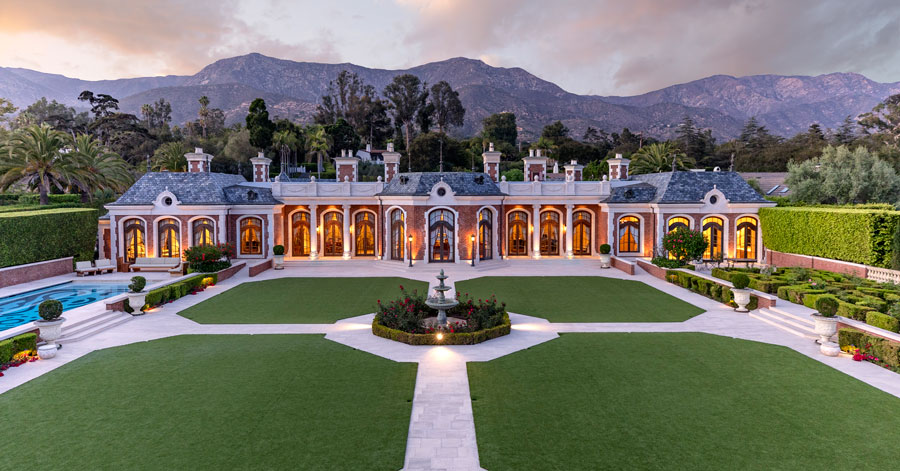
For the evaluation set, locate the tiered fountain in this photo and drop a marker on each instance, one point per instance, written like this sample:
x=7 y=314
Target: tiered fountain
x=441 y=303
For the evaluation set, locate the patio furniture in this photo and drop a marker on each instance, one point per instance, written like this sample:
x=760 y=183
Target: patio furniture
x=105 y=265
x=168 y=264
x=84 y=268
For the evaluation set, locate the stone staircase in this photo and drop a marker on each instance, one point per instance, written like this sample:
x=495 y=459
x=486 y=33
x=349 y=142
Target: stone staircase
x=93 y=325
x=796 y=324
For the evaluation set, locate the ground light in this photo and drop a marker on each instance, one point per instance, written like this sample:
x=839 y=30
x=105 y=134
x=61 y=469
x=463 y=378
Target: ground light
x=409 y=250
x=440 y=336
x=472 y=239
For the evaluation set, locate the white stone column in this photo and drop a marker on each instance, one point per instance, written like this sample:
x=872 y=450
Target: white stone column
x=536 y=233
x=313 y=232
x=347 y=235
x=570 y=249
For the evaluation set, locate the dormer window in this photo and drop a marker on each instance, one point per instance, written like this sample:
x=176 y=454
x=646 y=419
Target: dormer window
x=629 y=194
x=167 y=201
x=479 y=179
x=441 y=192
x=252 y=196
x=404 y=179
x=713 y=199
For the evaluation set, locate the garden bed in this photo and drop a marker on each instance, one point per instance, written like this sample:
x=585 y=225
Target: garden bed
x=708 y=288
x=449 y=338
x=863 y=300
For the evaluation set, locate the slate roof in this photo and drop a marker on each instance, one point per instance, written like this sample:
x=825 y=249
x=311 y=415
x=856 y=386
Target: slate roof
x=195 y=188
x=691 y=187
x=421 y=183
x=637 y=193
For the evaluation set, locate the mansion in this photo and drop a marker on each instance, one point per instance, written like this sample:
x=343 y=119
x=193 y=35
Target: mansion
x=430 y=217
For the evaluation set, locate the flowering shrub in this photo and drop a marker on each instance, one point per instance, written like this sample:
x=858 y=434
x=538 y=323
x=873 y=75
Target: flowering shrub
x=484 y=314
x=862 y=354
x=209 y=258
x=684 y=244
x=408 y=312
x=19 y=359
x=405 y=313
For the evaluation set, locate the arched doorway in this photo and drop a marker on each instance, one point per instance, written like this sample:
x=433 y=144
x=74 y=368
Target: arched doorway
x=440 y=235
x=629 y=234
x=485 y=234
x=300 y=236
x=134 y=240
x=713 y=228
x=333 y=234
x=518 y=233
x=364 y=224
x=398 y=239
x=169 y=238
x=549 y=233
x=581 y=235
x=251 y=236
x=746 y=238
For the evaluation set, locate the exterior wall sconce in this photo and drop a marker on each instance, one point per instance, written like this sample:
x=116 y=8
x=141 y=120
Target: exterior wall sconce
x=472 y=239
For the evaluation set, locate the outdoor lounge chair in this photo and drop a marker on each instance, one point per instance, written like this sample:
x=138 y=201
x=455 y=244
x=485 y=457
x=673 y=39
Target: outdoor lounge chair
x=156 y=264
x=84 y=268
x=105 y=265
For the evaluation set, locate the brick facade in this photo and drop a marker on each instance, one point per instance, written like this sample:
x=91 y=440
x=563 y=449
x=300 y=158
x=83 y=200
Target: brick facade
x=35 y=271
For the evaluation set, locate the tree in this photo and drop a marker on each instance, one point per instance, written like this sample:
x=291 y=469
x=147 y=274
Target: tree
x=238 y=147
x=358 y=103
x=6 y=107
x=286 y=141
x=846 y=132
x=555 y=134
x=884 y=118
x=203 y=113
x=448 y=110
x=259 y=125
x=170 y=157
x=435 y=151
x=842 y=176
x=101 y=104
x=407 y=95
x=157 y=116
x=342 y=136
x=56 y=115
x=500 y=127
x=659 y=157
x=98 y=169
x=317 y=144
x=34 y=155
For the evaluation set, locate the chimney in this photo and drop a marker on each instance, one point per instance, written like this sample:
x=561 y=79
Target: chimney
x=260 y=167
x=492 y=163
x=618 y=168
x=573 y=171
x=535 y=166
x=345 y=166
x=391 y=163
x=198 y=161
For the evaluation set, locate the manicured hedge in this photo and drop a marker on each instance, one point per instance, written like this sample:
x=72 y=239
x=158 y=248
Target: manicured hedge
x=886 y=350
x=852 y=235
x=32 y=198
x=35 y=236
x=457 y=338
x=20 y=343
x=178 y=290
x=883 y=321
x=707 y=288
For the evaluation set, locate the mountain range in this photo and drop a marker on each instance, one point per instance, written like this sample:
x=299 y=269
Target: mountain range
x=785 y=104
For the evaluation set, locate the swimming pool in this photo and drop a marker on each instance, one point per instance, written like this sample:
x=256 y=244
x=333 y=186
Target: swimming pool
x=22 y=308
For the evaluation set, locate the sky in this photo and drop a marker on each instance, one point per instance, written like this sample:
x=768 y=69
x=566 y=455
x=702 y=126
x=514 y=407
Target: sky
x=602 y=47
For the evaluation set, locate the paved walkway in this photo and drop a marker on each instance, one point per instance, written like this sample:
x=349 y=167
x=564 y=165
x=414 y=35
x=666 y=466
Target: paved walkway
x=442 y=429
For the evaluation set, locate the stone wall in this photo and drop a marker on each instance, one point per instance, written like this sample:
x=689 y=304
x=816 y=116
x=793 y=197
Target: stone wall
x=781 y=259
x=261 y=267
x=35 y=271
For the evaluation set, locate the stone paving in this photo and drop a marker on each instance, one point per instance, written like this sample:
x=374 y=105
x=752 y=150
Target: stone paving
x=442 y=430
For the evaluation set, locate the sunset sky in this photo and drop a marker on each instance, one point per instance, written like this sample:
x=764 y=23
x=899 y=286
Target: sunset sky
x=606 y=47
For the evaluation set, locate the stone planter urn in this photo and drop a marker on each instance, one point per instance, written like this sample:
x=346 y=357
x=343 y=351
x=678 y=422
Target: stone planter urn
x=825 y=327
x=136 y=301
x=605 y=259
x=279 y=262
x=50 y=330
x=741 y=298
x=46 y=352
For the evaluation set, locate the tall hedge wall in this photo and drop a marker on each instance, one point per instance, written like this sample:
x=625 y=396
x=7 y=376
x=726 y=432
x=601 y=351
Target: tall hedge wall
x=35 y=236
x=852 y=235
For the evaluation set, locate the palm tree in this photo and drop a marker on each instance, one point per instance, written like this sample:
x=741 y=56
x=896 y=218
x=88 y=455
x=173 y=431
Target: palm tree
x=97 y=168
x=170 y=156
x=286 y=141
x=35 y=155
x=317 y=144
x=659 y=157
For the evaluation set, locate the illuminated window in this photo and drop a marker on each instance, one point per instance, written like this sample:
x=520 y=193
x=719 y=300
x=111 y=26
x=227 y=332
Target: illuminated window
x=300 y=234
x=713 y=228
x=251 y=236
x=203 y=230
x=746 y=238
x=677 y=222
x=334 y=234
x=629 y=234
x=168 y=231
x=440 y=235
x=581 y=237
x=485 y=234
x=398 y=240
x=134 y=240
x=365 y=233
x=550 y=233
x=518 y=233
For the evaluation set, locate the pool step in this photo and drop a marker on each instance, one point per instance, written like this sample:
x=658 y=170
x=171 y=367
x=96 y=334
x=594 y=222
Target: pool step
x=93 y=325
x=785 y=321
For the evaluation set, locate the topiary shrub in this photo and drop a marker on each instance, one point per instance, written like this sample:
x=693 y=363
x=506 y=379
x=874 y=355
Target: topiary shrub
x=278 y=250
x=883 y=321
x=827 y=306
x=740 y=280
x=50 y=310
x=137 y=284
x=605 y=248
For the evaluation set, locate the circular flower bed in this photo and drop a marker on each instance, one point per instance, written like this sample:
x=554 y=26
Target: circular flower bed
x=403 y=320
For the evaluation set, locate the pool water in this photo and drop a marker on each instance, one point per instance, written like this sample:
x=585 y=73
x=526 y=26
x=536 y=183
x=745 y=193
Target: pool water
x=22 y=308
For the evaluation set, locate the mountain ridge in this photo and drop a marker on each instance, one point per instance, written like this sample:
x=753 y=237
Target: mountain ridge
x=787 y=104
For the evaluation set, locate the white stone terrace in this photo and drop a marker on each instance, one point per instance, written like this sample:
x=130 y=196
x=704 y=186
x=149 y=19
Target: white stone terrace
x=364 y=189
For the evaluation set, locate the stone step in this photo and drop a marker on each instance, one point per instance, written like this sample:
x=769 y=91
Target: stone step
x=69 y=327
x=93 y=326
x=792 y=321
x=774 y=320
x=797 y=317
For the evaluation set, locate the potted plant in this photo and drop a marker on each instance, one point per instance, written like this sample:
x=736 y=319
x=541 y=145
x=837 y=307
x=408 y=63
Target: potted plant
x=50 y=326
x=826 y=324
x=605 y=256
x=740 y=282
x=278 y=251
x=137 y=296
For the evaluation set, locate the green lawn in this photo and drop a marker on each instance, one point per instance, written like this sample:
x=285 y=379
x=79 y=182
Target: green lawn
x=299 y=300
x=581 y=298
x=676 y=401
x=213 y=402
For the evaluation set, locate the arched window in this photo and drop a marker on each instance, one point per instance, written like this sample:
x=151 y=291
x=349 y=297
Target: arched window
x=365 y=233
x=629 y=234
x=485 y=234
x=300 y=240
x=712 y=231
x=746 y=238
x=251 y=236
x=334 y=234
x=581 y=237
x=518 y=233
x=398 y=231
x=168 y=237
x=134 y=240
x=677 y=222
x=549 y=233
x=203 y=230
x=440 y=235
